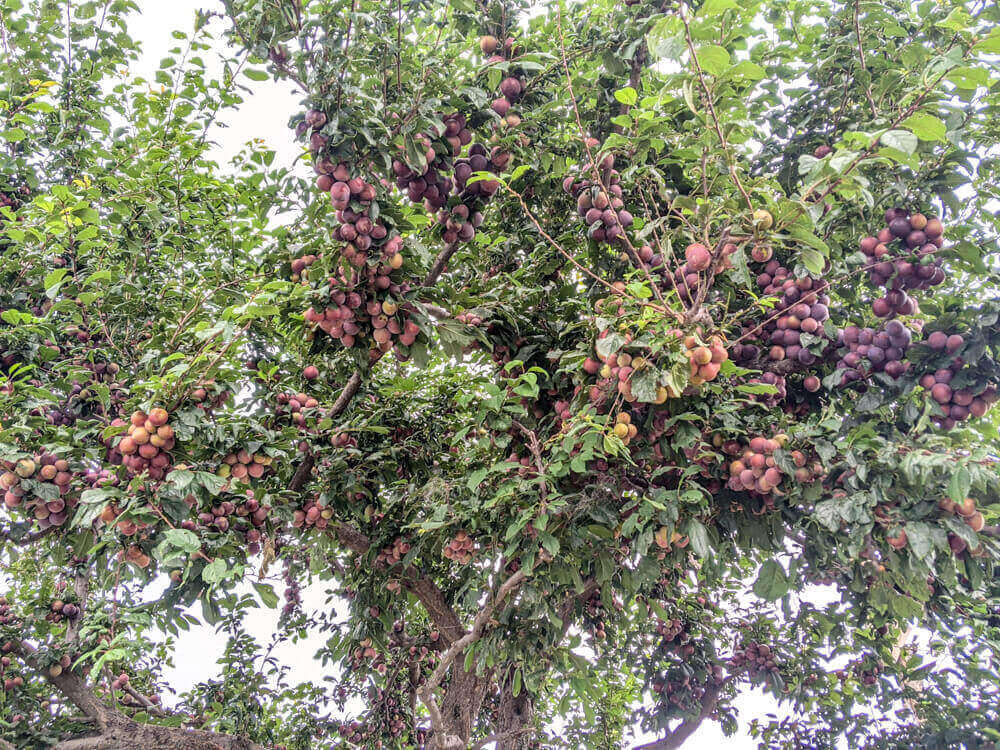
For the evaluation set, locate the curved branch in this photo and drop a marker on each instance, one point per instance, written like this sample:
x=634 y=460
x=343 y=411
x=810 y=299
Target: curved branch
x=443 y=739
x=116 y=731
x=422 y=587
x=689 y=726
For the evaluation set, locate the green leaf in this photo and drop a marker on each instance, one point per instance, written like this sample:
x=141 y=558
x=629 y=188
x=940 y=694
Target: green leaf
x=666 y=38
x=627 y=96
x=256 y=75
x=267 y=594
x=969 y=78
x=771 y=583
x=609 y=344
x=183 y=539
x=180 y=478
x=13 y=135
x=698 y=535
x=53 y=280
x=713 y=59
x=644 y=385
x=990 y=45
x=549 y=542
x=214 y=572
x=926 y=127
x=903 y=140
x=748 y=70
x=716 y=7
x=960 y=484
x=815 y=253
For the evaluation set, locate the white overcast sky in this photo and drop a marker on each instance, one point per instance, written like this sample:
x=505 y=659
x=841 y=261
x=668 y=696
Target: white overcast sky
x=265 y=115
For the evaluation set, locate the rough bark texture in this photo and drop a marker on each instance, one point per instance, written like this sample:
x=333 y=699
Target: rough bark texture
x=514 y=724
x=686 y=728
x=116 y=731
x=121 y=733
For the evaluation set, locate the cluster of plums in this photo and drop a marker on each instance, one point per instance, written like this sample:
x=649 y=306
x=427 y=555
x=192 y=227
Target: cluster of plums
x=601 y=205
x=293 y=590
x=969 y=513
x=42 y=485
x=957 y=404
x=393 y=554
x=244 y=465
x=460 y=548
x=756 y=470
x=864 y=351
x=757 y=658
x=60 y=610
x=623 y=428
x=246 y=517
x=705 y=359
x=352 y=293
x=469 y=319
x=351 y=315
x=902 y=256
x=615 y=374
x=312 y=514
x=81 y=394
x=433 y=186
x=7 y=616
x=689 y=278
x=295 y=408
x=775 y=381
x=10 y=682
x=594 y=616
x=802 y=308
x=147 y=443
x=127 y=527
x=511 y=87
x=208 y=395
x=460 y=222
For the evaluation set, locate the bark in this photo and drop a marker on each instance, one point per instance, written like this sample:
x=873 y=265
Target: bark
x=116 y=731
x=121 y=733
x=515 y=721
x=451 y=723
x=686 y=728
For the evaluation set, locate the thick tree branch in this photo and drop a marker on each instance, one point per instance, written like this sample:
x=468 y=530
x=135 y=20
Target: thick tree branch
x=422 y=587
x=114 y=730
x=439 y=263
x=689 y=726
x=29 y=538
x=81 y=587
x=443 y=739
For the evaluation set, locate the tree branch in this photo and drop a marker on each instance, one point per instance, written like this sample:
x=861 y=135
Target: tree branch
x=689 y=726
x=115 y=730
x=439 y=263
x=442 y=738
x=422 y=587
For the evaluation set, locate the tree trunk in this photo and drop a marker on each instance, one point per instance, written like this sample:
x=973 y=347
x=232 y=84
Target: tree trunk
x=516 y=716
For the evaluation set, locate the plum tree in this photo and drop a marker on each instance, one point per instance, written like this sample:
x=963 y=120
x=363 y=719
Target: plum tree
x=558 y=400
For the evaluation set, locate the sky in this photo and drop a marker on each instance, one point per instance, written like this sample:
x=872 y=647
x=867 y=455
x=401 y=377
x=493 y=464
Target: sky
x=264 y=115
